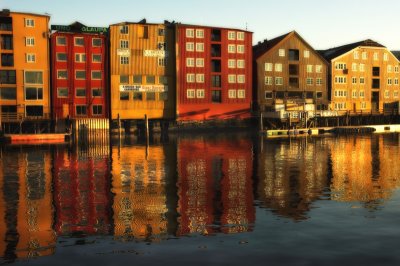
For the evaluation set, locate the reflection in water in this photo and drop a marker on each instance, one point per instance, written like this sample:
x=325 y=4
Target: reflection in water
x=188 y=185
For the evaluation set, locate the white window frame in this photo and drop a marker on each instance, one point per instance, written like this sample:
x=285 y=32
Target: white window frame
x=62 y=70
x=190 y=46
x=190 y=93
x=30 y=58
x=231 y=78
x=278 y=67
x=200 y=93
x=281 y=52
x=231 y=94
x=279 y=81
x=241 y=94
x=29 y=41
x=189 y=33
x=199 y=62
x=231 y=63
x=189 y=62
x=240 y=63
x=59 y=38
x=240 y=36
x=241 y=79
x=268 y=67
x=101 y=42
x=231 y=35
x=199 y=78
x=199 y=33
x=306 y=54
x=318 y=68
x=190 y=77
x=231 y=48
x=200 y=47
x=309 y=68
x=29 y=22
x=80 y=57
x=240 y=49
x=268 y=80
x=124 y=44
x=124 y=60
x=79 y=38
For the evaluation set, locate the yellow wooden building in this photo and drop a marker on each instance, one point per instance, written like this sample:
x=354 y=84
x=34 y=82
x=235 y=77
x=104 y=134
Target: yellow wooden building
x=142 y=70
x=24 y=68
x=364 y=77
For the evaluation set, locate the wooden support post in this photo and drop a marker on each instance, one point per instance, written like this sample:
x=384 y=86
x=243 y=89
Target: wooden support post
x=119 y=126
x=261 y=122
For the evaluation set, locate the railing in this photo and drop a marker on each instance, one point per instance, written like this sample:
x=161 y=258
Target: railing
x=17 y=117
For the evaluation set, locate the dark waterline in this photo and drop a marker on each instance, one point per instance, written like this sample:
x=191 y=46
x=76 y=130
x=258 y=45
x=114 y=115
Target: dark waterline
x=221 y=199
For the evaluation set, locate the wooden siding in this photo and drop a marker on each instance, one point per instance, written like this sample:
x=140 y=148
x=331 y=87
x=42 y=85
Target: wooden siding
x=353 y=104
x=190 y=109
x=142 y=65
x=292 y=41
x=66 y=106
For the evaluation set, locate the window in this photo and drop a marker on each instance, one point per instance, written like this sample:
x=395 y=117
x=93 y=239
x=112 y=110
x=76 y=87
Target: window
x=80 y=74
x=363 y=105
x=268 y=95
x=199 y=33
x=356 y=55
x=80 y=92
x=231 y=63
x=162 y=46
x=8 y=93
x=30 y=58
x=268 y=81
x=124 y=60
x=189 y=33
x=376 y=57
x=318 y=81
x=231 y=94
x=124 y=44
x=240 y=63
x=387 y=94
x=32 y=93
x=96 y=58
x=216 y=96
x=200 y=93
x=241 y=94
x=268 y=66
x=294 y=82
x=150 y=79
x=96 y=42
x=319 y=94
x=80 y=110
x=216 y=81
x=190 y=62
x=231 y=35
x=389 y=69
x=96 y=74
x=231 y=48
x=124 y=29
x=150 y=96
x=163 y=80
x=62 y=74
x=7 y=60
x=137 y=96
x=240 y=49
x=189 y=46
x=362 y=67
x=293 y=55
x=61 y=57
x=29 y=22
x=200 y=62
x=340 y=80
x=340 y=66
x=354 y=67
x=240 y=36
x=389 y=82
x=190 y=78
x=362 y=80
x=80 y=58
x=199 y=47
x=161 y=32
x=33 y=77
x=395 y=94
x=306 y=54
x=318 y=68
x=278 y=81
x=340 y=93
x=7 y=77
x=309 y=68
x=281 y=52
x=162 y=61
x=137 y=79
x=364 y=55
x=124 y=96
x=200 y=78
x=61 y=41
x=34 y=110
x=362 y=94
x=240 y=79
x=385 y=57
x=124 y=79
x=278 y=67
x=396 y=81
x=354 y=80
x=143 y=32
x=231 y=78
x=79 y=41
x=396 y=69
x=310 y=81
x=340 y=106
x=354 y=94
x=97 y=92
x=62 y=92
x=29 y=41
x=97 y=109
x=190 y=93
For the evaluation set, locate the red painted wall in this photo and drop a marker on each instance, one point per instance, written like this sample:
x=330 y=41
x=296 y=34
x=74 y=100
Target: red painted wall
x=203 y=108
x=71 y=83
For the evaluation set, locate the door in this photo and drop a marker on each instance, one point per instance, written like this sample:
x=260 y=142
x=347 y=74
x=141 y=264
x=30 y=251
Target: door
x=375 y=101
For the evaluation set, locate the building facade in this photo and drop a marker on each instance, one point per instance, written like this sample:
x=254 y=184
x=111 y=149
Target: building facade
x=79 y=61
x=214 y=73
x=290 y=77
x=24 y=68
x=364 y=77
x=142 y=71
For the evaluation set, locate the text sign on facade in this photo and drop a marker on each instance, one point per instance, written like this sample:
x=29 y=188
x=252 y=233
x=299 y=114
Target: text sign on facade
x=155 y=53
x=143 y=88
x=82 y=28
x=123 y=52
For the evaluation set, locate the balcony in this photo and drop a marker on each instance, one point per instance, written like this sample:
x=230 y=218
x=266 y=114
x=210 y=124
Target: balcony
x=5 y=24
x=216 y=35
x=215 y=50
x=375 y=72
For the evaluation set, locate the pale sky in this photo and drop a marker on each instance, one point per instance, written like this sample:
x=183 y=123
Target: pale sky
x=322 y=23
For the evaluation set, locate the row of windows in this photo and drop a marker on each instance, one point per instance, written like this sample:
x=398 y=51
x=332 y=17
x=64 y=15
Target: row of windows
x=138 y=79
x=78 y=41
x=138 y=96
x=191 y=62
x=190 y=47
x=30 y=93
x=200 y=94
x=82 y=110
x=293 y=94
x=161 y=61
x=293 y=54
x=361 y=67
x=79 y=74
x=279 y=81
x=142 y=30
x=278 y=68
x=364 y=55
x=199 y=33
x=199 y=78
x=79 y=57
x=79 y=92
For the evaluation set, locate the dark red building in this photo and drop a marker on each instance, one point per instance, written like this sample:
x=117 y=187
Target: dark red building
x=79 y=56
x=214 y=73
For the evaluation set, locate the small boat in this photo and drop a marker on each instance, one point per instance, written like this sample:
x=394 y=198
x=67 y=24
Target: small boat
x=49 y=138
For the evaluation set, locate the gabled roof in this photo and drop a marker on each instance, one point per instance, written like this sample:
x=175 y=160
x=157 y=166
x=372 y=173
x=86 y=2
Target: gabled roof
x=141 y=22
x=396 y=54
x=263 y=47
x=329 y=54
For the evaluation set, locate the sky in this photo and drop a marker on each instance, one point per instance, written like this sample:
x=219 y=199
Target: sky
x=322 y=23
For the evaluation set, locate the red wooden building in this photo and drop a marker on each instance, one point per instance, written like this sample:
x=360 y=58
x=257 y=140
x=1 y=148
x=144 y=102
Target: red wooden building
x=79 y=59
x=214 y=73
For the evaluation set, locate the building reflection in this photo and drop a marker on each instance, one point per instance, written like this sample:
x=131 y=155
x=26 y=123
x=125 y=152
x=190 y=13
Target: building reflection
x=292 y=174
x=215 y=186
x=138 y=184
x=82 y=192
x=26 y=211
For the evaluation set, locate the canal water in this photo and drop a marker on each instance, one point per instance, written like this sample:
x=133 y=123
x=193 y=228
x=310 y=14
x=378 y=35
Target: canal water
x=205 y=199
